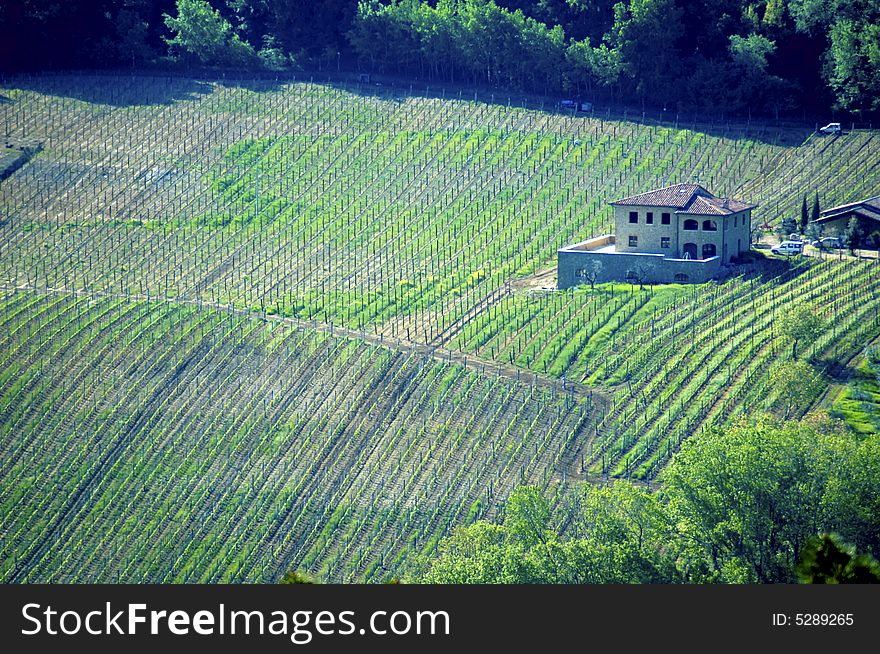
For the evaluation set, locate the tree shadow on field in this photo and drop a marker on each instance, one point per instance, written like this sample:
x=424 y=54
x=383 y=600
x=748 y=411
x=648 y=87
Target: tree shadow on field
x=139 y=88
x=117 y=89
x=767 y=268
x=388 y=87
x=837 y=372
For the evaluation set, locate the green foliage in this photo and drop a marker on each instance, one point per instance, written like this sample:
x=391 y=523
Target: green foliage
x=526 y=517
x=794 y=383
x=852 y=237
x=271 y=55
x=859 y=403
x=827 y=560
x=405 y=219
x=639 y=26
x=805 y=216
x=617 y=535
x=133 y=37
x=477 y=554
x=751 y=52
x=746 y=499
x=736 y=505
x=737 y=53
x=295 y=577
x=202 y=33
x=787 y=226
x=854 y=71
x=801 y=325
x=473 y=39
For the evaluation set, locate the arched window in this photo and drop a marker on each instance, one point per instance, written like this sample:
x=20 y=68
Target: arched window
x=681 y=277
x=708 y=250
x=709 y=226
x=690 y=225
x=690 y=251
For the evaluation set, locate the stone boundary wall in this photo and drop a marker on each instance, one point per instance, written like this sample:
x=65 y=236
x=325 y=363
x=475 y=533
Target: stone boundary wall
x=584 y=262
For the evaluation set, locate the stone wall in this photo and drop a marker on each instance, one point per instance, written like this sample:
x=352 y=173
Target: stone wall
x=648 y=235
x=729 y=241
x=578 y=266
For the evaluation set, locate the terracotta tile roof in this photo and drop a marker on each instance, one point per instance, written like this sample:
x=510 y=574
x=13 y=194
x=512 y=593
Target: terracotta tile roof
x=678 y=196
x=687 y=198
x=702 y=206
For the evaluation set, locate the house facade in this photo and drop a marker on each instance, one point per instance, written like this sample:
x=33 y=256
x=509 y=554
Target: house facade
x=679 y=233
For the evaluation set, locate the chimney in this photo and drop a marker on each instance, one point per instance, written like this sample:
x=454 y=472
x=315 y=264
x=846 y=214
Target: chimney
x=726 y=203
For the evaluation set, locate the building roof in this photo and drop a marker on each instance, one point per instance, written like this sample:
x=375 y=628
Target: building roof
x=686 y=198
x=869 y=209
x=677 y=196
x=702 y=206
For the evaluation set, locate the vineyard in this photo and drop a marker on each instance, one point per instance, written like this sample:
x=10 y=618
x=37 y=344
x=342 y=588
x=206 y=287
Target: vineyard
x=178 y=443
x=255 y=327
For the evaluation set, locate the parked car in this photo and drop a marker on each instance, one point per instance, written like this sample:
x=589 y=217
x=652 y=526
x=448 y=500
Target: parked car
x=788 y=248
x=585 y=106
x=831 y=128
x=568 y=104
x=795 y=237
x=828 y=243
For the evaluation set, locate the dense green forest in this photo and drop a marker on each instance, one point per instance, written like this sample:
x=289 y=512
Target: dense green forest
x=746 y=57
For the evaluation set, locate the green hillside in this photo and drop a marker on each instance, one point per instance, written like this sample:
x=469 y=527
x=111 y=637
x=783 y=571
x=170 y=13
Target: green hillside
x=249 y=328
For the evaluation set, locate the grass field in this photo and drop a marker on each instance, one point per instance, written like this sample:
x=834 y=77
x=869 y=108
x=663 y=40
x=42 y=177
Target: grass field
x=859 y=402
x=250 y=328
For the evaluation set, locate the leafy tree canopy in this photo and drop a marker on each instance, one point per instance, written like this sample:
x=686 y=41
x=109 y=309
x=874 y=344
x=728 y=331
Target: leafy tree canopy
x=736 y=505
x=201 y=32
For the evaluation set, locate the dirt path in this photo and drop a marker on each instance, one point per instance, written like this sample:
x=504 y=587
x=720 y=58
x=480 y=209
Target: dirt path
x=598 y=398
x=543 y=280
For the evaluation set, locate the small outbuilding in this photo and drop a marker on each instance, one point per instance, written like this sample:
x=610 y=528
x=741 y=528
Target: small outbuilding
x=866 y=212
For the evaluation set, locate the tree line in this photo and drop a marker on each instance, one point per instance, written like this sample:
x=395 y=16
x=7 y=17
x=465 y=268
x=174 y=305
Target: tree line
x=732 y=56
x=764 y=501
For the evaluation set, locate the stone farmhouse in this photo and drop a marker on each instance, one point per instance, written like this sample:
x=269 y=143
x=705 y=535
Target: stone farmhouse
x=679 y=233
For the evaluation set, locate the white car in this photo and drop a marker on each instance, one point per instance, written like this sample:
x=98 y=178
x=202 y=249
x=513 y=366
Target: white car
x=831 y=128
x=828 y=243
x=788 y=248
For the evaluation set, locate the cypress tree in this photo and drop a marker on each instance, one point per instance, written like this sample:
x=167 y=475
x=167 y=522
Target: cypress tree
x=805 y=218
x=815 y=215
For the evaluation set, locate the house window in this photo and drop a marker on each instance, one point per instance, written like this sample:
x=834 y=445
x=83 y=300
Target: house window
x=634 y=241
x=709 y=226
x=581 y=272
x=665 y=218
x=681 y=277
x=664 y=242
x=709 y=250
x=633 y=217
x=649 y=217
x=690 y=225
x=735 y=220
